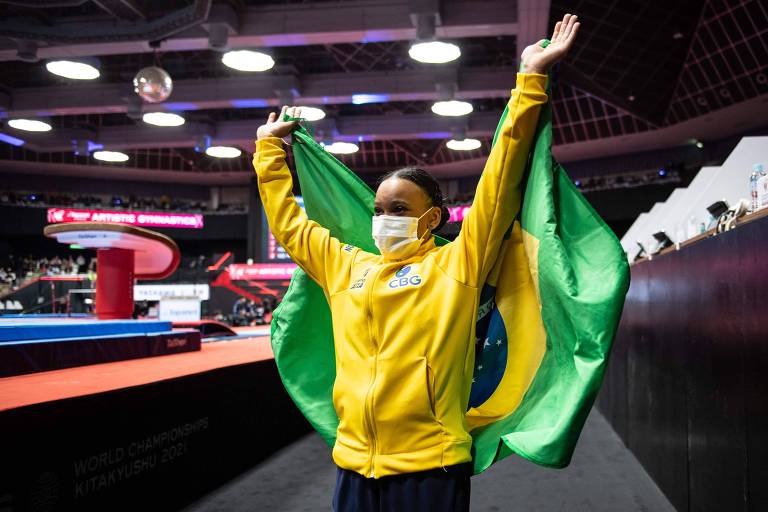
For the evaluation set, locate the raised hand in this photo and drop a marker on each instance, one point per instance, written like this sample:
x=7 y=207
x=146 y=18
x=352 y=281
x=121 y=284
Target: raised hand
x=536 y=59
x=276 y=127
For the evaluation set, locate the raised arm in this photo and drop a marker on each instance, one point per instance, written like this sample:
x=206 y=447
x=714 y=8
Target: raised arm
x=471 y=256
x=325 y=259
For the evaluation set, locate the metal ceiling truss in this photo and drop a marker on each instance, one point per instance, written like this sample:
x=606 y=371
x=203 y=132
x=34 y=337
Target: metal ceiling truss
x=241 y=133
x=259 y=91
x=642 y=69
x=579 y=116
x=264 y=26
x=727 y=61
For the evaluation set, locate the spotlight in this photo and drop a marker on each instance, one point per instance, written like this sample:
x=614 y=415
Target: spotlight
x=73 y=69
x=202 y=143
x=342 y=148
x=452 y=108
x=463 y=145
x=312 y=113
x=434 y=52
x=248 y=60
x=223 y=152
x=29 y=125
x=662 y=172
x=110 y=156
x=163 y=119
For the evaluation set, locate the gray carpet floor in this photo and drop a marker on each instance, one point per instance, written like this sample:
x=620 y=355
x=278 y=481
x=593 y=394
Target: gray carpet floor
x=603 y=477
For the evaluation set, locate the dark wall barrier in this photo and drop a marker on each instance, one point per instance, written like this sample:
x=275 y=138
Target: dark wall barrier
x=686 y=387
x=152 y=447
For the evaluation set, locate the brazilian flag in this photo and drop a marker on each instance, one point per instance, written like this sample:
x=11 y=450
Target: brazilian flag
x=547 y=317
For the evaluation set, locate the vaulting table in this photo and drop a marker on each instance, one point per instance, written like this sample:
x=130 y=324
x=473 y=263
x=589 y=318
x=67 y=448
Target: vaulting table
x=124 y=253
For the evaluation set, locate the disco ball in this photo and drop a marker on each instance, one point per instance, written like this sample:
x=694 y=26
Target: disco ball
x=153 y=84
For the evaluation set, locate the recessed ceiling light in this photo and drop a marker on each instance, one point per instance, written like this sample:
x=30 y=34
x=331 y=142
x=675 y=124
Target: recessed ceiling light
x=30 y=125
x=163 y=119
x=434 y=52
x=452 y=108
x=110 y=156
x=72 y=69
x=223 y=152
x=463 y=145
x=312 y=113
x=248 y=60
x=342 y=148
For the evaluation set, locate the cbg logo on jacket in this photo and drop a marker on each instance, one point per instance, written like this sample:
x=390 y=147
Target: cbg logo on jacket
x=403 y=279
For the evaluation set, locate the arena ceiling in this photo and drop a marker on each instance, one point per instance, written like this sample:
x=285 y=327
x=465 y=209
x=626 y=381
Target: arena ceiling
x=644 y=75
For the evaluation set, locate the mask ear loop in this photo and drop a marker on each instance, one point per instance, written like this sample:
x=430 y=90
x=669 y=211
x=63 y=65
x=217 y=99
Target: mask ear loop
x=426 y=212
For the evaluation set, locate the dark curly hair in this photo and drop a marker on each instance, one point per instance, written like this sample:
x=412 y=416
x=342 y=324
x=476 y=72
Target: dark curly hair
x=425 y=182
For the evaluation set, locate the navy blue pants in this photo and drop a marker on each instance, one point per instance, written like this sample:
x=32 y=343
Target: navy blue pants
x=439 y=490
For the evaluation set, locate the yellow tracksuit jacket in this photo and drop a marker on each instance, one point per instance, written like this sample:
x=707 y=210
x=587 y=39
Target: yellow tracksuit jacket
x=404 y=330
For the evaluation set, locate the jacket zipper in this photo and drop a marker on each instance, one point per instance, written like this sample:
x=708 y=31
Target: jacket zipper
x=372 y=386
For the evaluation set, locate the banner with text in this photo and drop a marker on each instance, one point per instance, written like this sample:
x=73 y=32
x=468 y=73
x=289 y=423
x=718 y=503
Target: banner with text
x=261 y=271
x=149 y=219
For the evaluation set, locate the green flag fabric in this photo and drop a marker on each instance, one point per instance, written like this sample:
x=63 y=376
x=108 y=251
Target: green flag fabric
x=547 y=317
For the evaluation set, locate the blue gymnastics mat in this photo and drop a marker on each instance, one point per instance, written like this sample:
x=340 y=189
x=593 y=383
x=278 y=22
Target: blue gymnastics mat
x=19 y=328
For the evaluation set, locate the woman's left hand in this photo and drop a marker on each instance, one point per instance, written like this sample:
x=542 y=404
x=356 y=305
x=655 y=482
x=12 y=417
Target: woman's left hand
x=538 y=60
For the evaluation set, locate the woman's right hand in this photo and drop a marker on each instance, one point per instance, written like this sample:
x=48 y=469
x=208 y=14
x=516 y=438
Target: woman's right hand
x=275 y=127
x=538 y=60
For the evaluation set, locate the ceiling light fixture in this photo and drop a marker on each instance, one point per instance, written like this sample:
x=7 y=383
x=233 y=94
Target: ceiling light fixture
x=463 y=145
x=110 y=156
x=223 y=152
x=73 y=69
x=29 y=125
x=163 y=119
x=452 y=108
x=248 y=60
x=312 y=113
x=434 y=52
x=342 y=148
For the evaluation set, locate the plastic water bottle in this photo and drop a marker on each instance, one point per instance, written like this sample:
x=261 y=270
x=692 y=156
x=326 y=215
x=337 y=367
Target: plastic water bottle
x=753 y=190
x=757 y=173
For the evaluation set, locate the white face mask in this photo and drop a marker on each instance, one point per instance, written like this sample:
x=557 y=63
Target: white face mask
x=397 y=237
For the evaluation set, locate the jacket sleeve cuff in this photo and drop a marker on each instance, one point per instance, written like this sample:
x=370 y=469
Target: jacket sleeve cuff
x=269 y=154
x=531 y=82
x=270 y=147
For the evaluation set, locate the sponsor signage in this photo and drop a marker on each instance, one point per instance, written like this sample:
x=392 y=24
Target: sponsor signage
x=261 y=271
x=163 y=291
x=179 y=310
x=149 y=219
